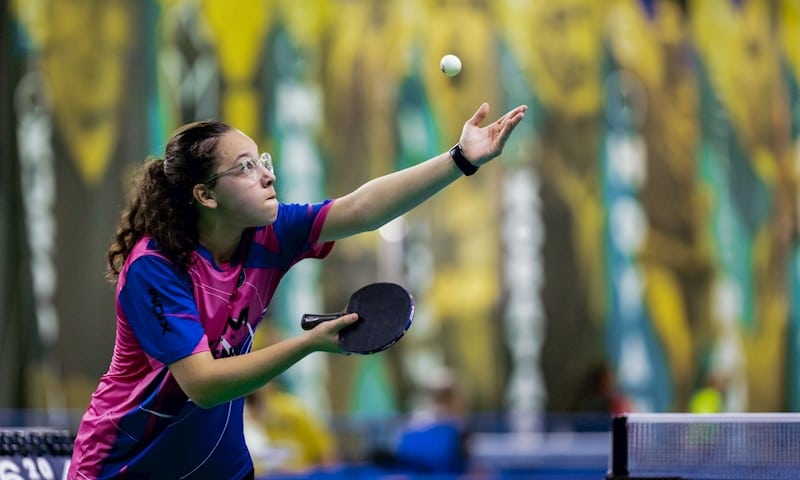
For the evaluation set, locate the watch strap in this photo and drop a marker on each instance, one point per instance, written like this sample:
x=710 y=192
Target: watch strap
x=461 y=162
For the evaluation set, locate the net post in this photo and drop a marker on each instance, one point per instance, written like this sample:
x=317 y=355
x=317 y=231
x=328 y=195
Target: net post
x=619 y=448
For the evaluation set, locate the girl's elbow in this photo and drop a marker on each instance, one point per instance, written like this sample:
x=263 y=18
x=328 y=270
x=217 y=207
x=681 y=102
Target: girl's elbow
x=201 y=393
x=205 y=400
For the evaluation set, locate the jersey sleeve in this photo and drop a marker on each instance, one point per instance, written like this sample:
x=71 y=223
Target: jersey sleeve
x=299 y=226
x=159 y=305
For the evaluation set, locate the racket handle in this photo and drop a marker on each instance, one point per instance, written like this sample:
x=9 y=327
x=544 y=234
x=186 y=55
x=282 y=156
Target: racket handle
x=311 y=320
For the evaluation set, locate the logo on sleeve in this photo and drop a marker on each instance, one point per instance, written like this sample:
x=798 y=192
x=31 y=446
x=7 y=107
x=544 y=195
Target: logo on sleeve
x=158 y=310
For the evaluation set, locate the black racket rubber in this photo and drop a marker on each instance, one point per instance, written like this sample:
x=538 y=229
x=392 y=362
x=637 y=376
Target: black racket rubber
x=385 y=310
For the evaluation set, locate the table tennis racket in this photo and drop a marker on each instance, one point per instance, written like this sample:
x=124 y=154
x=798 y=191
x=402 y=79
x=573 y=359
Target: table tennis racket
x=385 y=312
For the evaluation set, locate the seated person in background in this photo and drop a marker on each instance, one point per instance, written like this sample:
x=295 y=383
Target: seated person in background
x=710 y=396
x=435 y=438
x=283 y=435
x=600 y=392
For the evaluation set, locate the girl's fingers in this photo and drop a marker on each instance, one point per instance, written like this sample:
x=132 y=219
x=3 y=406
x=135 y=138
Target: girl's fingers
x=479 y=115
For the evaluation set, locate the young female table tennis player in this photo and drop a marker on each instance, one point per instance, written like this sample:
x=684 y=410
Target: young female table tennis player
x=199 y=251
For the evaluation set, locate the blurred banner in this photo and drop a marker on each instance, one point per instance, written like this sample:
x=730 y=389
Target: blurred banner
x=18 y=341
x=635 y=247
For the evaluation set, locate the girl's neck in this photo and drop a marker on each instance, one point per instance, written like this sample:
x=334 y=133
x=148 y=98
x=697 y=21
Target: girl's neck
x=221 y=245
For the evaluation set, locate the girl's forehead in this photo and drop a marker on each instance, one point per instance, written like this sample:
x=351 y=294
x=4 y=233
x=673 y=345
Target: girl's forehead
x=233 y=143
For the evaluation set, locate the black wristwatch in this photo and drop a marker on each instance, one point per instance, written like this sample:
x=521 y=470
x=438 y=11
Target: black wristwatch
x=461 y=162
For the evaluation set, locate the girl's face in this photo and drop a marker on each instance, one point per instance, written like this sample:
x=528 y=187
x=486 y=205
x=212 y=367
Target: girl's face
x=245 y=182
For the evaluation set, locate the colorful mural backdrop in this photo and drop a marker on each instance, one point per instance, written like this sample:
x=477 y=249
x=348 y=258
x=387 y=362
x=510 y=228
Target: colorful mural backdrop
x=641 y=226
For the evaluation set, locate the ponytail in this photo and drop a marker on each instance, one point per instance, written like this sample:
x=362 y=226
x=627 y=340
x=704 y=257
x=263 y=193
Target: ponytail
x=154 y=209
x=161 y=202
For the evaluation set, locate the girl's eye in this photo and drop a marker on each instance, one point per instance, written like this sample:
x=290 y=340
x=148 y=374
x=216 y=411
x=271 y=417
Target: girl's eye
x=248 y=165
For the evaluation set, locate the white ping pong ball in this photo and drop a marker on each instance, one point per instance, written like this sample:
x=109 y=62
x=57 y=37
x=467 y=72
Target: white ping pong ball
x=450 y=65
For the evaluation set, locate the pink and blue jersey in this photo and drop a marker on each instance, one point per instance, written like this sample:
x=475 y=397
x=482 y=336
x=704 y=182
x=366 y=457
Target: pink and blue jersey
x=139 y=423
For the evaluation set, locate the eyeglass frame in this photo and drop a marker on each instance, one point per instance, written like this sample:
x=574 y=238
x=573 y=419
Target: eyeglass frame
x=264 y=160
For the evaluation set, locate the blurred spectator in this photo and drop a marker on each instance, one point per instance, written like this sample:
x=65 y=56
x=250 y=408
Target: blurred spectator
x=709 y=398
x=600 y=393
x=283 y=435
x=434 y=440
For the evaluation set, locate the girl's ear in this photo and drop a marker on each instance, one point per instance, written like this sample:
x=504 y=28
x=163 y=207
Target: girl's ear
x=204 y=195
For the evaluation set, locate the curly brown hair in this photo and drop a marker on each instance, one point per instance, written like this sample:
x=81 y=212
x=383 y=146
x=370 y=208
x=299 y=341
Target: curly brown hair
x=161 y=202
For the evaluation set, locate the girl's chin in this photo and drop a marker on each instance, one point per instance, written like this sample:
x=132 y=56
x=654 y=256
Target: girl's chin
x=266 y=217
x=273 y=213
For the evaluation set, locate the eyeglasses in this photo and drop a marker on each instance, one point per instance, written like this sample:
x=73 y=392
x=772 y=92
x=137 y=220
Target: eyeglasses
x=247 y=167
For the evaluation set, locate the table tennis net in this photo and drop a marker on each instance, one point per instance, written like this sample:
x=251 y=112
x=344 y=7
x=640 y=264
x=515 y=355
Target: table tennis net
x=729 y=446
